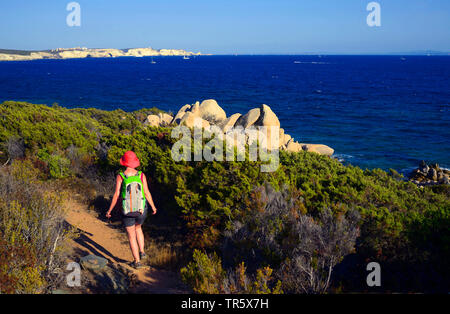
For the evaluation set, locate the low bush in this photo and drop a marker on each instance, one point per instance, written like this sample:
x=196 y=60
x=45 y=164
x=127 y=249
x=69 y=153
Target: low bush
x=206 y=275
x=33 y=231
x=304 y=250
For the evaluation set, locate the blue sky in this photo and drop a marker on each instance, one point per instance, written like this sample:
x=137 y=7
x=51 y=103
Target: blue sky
x=229 y=26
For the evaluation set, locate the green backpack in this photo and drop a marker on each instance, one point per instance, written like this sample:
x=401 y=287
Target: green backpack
x=132 y=194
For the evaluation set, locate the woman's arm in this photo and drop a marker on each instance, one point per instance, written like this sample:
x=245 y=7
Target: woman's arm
x=147 y=193
x=116 y=195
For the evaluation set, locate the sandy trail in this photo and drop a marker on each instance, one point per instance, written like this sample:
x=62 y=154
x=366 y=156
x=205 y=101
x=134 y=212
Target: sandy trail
x=103 y=239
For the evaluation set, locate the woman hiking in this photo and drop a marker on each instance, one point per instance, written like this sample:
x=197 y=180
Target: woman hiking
x=131 y=184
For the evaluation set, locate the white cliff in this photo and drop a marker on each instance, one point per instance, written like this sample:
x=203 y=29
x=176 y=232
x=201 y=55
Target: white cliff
x=78 y=53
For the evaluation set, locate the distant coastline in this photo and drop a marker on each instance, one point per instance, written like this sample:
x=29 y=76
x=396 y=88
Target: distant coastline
x=82 y=52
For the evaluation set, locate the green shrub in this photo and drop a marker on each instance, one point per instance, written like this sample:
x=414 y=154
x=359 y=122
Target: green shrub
x=206 y=275
x=59 y=166
x=41 y=126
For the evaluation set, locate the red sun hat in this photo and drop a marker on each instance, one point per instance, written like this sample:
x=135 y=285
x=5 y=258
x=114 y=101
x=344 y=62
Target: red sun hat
x=129 y=159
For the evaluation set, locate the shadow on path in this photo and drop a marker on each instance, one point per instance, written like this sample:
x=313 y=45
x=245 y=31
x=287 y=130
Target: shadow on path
x=96 y=249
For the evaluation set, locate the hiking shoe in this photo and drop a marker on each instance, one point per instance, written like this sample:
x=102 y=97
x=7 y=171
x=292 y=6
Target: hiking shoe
x=142 y=256
x=136 y=265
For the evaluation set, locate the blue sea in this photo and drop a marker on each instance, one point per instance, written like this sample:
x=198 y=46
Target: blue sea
x=375 y=111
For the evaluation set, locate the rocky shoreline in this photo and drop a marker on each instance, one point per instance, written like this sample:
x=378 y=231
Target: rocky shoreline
x=209 y=113
x=429 y=175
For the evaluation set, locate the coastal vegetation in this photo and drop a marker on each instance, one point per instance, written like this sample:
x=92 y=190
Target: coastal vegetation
x=311 y=226
x=32 y=229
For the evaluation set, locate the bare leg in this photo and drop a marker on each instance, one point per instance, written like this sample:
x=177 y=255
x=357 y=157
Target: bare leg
x=131 y=231
x=140 y=238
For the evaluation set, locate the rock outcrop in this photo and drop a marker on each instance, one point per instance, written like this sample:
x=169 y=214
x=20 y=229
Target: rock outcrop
x=152 y=120
x=294 y=146
x=318 y=148
x=249 y=118
x=190 y=119
x=235 y=127
x=227 y=124
x=210 y=111
x=181 y=113
x=161 y=119
x=165 y=119
x=267 y=117
x=429 y=175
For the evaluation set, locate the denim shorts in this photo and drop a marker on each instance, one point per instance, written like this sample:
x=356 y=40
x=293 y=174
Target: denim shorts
x=134 y=218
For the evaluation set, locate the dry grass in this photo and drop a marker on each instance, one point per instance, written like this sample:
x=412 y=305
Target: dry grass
x=165 y=255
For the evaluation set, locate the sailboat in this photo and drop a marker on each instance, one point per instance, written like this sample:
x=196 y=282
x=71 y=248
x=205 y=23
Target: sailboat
x=153 y=61
x=186 y=57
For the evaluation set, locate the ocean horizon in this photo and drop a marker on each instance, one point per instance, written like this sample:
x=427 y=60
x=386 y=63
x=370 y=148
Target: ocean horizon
x=376 y=111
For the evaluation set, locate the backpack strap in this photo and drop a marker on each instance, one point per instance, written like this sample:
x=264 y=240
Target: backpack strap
x=141 y=174
x=122 y=175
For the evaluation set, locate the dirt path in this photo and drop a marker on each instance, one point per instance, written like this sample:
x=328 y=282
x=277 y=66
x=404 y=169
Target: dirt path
x=102 y=239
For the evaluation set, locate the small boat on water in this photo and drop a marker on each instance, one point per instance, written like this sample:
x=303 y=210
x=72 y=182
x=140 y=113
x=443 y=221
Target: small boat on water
x=153 y=61
x=186 y=58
